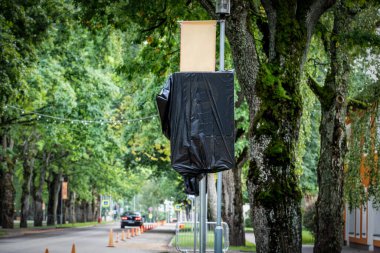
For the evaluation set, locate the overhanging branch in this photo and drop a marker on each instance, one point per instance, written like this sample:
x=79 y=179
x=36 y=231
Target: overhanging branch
x=161 y=21
x=357 y=104
x=209 y=7
x=317 y=8
x=242 y=158
x=317 y=89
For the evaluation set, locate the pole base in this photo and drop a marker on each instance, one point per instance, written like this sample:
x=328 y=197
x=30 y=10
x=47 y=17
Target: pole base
x=218 y=244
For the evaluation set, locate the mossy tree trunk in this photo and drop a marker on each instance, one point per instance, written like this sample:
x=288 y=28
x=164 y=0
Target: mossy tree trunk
x=333 y=98
x=272 y=180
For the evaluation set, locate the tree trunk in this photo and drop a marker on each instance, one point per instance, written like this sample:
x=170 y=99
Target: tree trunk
x=329 y=205
x=233 y=206
x=1 y=194
x=8 y=200
x=7 y=190
x=89 y=210
x=272 y=180
x=83 y=207
x=53 y=188
x=25 y=197
x=95 y=206
x=72 y=215
x=211 y=197
x=28 y=166
x=38 y=200
x=79 y=211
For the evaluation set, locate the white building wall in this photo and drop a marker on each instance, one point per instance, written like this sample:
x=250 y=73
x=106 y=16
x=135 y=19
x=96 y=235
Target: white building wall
x=376 y=222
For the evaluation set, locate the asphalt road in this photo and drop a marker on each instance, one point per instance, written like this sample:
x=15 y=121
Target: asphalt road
x=89 y=240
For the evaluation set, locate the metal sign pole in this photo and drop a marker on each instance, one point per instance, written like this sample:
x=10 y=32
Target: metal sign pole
x=194 y=206
x=202 y=222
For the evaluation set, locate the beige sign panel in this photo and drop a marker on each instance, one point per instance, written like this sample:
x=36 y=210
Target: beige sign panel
x=198 y=43
x=64 y=190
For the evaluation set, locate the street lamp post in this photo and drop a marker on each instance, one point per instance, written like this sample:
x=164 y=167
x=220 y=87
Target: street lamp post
x=223 y=9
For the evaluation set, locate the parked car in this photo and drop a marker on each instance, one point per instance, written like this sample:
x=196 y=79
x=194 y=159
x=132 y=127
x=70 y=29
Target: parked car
x=131 y=218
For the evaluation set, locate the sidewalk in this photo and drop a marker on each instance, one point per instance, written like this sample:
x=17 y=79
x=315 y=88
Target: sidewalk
x=309 y=248
x=92 y=239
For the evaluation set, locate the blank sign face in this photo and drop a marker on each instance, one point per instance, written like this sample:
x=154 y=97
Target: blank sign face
x=198 y=43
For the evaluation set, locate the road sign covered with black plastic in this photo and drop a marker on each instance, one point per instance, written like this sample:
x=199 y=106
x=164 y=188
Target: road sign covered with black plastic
x=197 y=115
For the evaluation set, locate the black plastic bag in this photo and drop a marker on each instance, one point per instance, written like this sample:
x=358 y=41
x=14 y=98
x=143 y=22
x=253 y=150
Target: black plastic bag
x=192 y=184
x=197 y=115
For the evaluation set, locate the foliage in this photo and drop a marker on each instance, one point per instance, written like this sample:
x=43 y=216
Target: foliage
x=307 y=237
x=249 y=247
x=80 y=105
x=309 y=218
x=363 y=174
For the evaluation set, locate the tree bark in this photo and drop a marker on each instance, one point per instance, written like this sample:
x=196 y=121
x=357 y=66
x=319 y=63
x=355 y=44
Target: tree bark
x=8 y=200
x=25 y=197
x=272 y=180
x=211 y=197
x=72 y=207
x=89 y=211
x=38 y=200
x=329 y=205
x=233 y=206
x=83 y=207
x=53 y=187
x=95 y=206
x=7 y=190
x=28 y=166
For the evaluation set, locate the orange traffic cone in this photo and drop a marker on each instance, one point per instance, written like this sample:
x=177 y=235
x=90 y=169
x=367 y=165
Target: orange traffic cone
x=73 y=248
x=122 y=235
x=128 y=234
x=117 y=237
x=110 y=239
